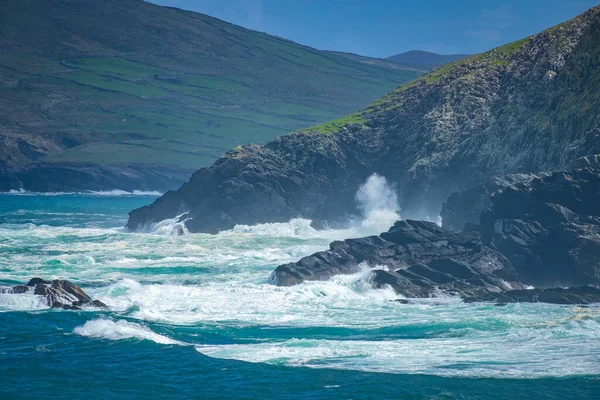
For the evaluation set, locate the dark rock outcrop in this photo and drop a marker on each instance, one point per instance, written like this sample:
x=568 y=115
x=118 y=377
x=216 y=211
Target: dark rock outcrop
x=420 y=259
x=541 y=230
x=57 y=294
x=547 y=225
x=79 y=177
x=294 y=176
x=576 y=295
x=525 y=107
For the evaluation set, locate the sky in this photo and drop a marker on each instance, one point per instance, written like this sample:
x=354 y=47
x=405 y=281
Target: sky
x=382 y=28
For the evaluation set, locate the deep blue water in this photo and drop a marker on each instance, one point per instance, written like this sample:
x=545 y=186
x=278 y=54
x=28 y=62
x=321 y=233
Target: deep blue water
x=194 y=317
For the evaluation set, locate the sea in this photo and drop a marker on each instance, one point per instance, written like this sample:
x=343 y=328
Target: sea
x=195 y=317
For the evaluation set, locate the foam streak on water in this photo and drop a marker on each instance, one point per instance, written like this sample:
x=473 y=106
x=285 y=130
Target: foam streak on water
x=211 y=292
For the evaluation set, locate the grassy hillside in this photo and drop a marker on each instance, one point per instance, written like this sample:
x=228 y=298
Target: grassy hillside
x=121 y=81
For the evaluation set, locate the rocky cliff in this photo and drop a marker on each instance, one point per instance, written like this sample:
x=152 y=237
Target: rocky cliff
x=526 y=107
x=547 y=225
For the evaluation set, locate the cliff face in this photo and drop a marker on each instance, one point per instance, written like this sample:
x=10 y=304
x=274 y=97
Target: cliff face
x=547 y=225
x=525 y=107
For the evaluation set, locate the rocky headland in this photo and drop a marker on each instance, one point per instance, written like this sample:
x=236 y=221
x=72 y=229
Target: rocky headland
x=527 y=107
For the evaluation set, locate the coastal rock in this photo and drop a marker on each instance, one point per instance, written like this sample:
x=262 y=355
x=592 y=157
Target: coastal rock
x=58 y=294
x=420 y=260
x=547 y=225
x=534 y=229
x=576 y=295
x=294 y=176
x=488 y=115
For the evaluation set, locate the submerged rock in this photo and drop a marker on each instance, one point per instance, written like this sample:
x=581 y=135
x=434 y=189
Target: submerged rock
x=58 y=294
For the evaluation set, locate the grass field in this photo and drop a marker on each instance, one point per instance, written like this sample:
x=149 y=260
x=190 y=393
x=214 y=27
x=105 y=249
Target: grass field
x=128 y=81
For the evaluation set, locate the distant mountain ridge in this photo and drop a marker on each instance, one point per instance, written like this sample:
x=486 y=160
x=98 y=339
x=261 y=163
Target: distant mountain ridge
x=116 y=82
x=425 y=59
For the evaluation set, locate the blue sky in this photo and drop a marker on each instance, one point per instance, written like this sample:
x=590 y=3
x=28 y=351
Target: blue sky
x=381 y=28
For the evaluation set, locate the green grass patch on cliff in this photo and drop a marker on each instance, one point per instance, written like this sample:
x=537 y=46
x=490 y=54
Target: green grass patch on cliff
x=439 y=73
x=500 y=55
x=337 y=124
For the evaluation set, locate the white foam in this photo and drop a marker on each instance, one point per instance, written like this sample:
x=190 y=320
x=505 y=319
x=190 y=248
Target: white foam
x=172 y=226
x=219 y=283
x=341 y=301
x=376 y=199
x=117 y=192
x=297 y=227
x=121 y=330
x=22 y=302
x=530 y=356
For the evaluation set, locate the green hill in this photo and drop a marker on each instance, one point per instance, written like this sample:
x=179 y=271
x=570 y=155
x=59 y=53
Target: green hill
x=122 y=81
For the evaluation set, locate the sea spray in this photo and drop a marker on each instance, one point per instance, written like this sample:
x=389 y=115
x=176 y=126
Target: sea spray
x=378 y=203
x=376 y=199
x=172 y=226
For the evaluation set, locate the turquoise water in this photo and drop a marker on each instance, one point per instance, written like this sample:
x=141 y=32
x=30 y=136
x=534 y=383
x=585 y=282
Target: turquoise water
x=194 y=317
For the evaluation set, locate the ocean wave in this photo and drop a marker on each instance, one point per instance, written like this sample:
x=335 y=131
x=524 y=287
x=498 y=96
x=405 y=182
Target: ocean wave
x=376 y=199
x=172 y=226
x=342 y=302
x=121 y=330
x=532 y=354
x=21 y=302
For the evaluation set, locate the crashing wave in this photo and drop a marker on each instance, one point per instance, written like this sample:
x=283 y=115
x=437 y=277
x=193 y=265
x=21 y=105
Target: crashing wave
x=121 y=330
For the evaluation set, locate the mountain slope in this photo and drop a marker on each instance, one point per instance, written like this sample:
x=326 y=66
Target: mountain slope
x=425 y=59
x=528 y=106
x=125 y=81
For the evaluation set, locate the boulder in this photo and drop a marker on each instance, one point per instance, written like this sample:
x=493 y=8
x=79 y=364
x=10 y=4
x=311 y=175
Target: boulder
x=58 y=294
